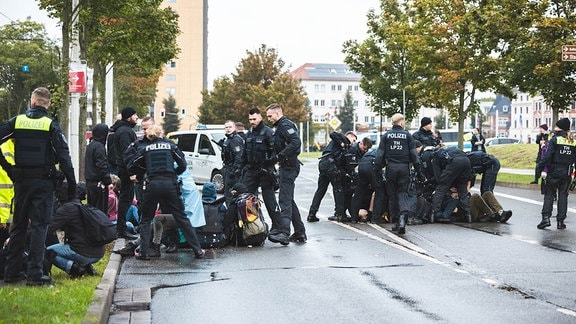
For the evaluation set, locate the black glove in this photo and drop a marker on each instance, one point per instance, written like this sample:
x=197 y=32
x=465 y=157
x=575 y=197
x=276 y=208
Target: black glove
x=421 y=177
x=281 y=157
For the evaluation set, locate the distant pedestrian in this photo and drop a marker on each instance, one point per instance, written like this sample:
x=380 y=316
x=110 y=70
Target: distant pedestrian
x=96 y=171
x=541 y=141
x=425 y=134
x=478 y=140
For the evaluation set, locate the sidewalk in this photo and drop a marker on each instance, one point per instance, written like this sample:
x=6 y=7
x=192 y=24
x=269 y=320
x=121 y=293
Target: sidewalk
x=517 y=171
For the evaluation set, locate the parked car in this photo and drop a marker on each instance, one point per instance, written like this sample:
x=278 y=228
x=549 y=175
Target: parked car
x=501 y=140
x=203 y=154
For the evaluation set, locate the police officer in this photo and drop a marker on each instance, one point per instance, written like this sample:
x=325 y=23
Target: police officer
x=287 y=148
x=259 y=171
x=451 y=169
x=124 y=135
x=425 y=135
x=38 y=146
x=559 y=158
x=331 y=167
x=353 y=156
x=154 y=166
x=486 y=164
x=232 y=153
x=396 y=151
x=366 y=183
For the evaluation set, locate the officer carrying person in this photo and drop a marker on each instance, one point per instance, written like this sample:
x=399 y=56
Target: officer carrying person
x=259 y=171
x=154 y=167
x=287 y=148
x=232 y=154
x=39 y=145
x=397 y=153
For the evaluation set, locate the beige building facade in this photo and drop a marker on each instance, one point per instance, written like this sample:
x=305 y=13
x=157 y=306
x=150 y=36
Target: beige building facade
x=186 y=76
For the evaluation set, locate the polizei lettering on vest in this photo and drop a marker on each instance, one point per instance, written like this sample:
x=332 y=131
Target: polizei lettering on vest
x=158 y=146
x=396 y=135
x=31 y=124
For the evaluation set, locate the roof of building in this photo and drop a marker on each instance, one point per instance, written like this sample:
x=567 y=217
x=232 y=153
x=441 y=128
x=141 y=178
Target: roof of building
x=325 y=72
x=498 y=105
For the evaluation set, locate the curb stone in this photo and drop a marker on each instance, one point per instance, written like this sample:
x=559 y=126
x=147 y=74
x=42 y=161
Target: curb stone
x=99 y=308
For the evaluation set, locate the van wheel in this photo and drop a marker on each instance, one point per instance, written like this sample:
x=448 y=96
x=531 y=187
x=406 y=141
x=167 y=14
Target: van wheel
x=218 y=179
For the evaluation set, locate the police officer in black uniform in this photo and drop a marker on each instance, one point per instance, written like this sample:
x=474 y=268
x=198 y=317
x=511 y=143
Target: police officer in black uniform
x=154 y=167
x=353 y=156
x=486 y=164
x=396 y=151
x=287 y=148
x=559 y=158
x=38 y=146
x=425 y=135
x=232 y=153
x=451 y=169
x=365 y=186
x=96 y=171
x=259 y=170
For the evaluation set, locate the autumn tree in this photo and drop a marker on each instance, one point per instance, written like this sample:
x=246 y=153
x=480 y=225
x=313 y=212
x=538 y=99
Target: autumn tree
x=346 y=113
x=260 y=79
x=534 y=57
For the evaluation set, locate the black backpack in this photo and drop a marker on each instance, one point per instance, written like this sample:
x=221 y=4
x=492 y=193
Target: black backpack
x=97 y=226
x=212 y=235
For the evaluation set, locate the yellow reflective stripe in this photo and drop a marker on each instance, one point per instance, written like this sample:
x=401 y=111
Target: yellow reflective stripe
x=24 y=122
x=5 y=205
x=6 y=186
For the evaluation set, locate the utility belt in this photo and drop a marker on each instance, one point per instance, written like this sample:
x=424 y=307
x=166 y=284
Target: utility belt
x=161 y=176
x=45 y=172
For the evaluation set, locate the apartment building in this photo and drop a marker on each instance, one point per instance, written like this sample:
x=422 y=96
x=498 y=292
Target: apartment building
x=186 y=76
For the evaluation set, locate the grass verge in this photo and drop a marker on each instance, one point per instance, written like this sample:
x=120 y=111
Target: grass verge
x=65 y=302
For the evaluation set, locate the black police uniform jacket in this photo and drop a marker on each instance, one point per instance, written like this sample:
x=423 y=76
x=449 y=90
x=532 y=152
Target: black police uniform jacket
x=124 y=135
x=157 y=158
x=259 y=147
x=286 y=142
x=559 y=156
x=395 y=147
x=45 y=149
x=232 y=152
x=426 y=137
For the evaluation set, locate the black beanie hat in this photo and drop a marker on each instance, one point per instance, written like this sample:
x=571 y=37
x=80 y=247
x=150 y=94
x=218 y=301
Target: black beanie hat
x=127 y=112
x=425 y=121
x=564 y=124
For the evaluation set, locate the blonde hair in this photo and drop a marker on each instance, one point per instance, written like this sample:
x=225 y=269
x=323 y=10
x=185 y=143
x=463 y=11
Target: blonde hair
x=154 y=131
x=397 y=118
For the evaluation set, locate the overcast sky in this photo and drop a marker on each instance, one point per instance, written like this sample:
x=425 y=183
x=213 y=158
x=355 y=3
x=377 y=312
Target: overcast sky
x=302 y=31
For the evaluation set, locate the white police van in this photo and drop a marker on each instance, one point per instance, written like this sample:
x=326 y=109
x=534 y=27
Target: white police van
x=203 y=154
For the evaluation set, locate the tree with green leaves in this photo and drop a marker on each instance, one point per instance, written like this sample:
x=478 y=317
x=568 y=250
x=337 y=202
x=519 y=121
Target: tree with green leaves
x=346 y=113
x=29 y=60
x=260 y=80
x=534 y=57
x=172 y=117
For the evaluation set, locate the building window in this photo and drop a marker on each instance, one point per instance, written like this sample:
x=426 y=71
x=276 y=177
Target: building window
x=333 y=87
x=356 y=88
x=322 y=103
x=183 y=111
x=170 y=1
x=505 y=108
x=171 y=91
x=339 y=103
x=170 y=77
x=339 y=87
x=316 y=87
x=316 y=102
x=333 y=103
x=322 y=88
x=355 y=103
x=171 y=64
x=350 y=87
x=162 y=113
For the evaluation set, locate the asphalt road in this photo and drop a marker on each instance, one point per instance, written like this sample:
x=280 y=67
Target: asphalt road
x=435 y=273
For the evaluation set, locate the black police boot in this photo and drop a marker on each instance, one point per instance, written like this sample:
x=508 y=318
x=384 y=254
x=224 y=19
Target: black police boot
x=561 y=225
x=172 y=248
x=154 y=250
x=544 y=223
x=467 y=217
x=335 y=218
x=49 y=257
x=312 y=218
x=279 y=237
x=298 y=237
x=402 y=224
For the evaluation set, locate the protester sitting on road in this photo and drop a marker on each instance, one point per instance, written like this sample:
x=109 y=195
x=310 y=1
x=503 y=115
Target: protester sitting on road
x=76 y=255
x=483 y=208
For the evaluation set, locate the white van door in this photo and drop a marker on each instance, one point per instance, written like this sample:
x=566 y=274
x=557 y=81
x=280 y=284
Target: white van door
x=205 y=159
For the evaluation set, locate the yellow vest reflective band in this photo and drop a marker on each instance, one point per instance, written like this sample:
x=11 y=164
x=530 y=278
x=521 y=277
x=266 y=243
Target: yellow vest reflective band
x=32 y=141
x=39 y=124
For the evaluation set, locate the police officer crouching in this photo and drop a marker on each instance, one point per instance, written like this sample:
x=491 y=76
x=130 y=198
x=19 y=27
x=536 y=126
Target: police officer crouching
x=154 y=166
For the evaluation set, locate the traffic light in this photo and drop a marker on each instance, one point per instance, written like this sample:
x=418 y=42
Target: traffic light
x=25 y=68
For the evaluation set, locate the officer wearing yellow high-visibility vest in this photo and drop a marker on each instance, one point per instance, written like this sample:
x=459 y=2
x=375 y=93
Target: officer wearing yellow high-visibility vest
x=38 y=146
x=6 y=189
x=559 y=160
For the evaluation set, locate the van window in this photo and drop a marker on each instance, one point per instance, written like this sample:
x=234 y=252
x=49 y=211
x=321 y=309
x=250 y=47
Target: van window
x=204 y=144
x=186 y=142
